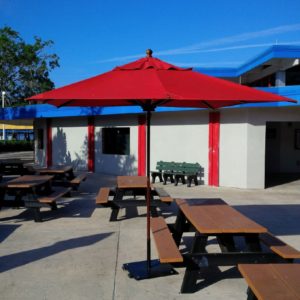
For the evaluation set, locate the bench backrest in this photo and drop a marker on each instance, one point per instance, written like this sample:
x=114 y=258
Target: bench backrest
x=178 y=167
x=191 y=167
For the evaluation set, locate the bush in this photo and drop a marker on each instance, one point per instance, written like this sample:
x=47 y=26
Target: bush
x=15 y=146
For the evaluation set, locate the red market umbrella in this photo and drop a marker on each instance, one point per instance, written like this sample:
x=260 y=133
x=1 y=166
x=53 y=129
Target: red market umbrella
x=150 y=82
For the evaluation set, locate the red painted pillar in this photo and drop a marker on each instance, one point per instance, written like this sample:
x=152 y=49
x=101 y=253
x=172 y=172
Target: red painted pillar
x=49 y=143
x=91 y=144
x=142 y=146
x=214 y=140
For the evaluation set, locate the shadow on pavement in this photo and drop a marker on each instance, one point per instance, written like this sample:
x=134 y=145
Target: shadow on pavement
x=280 y=219
x=15 y=260
x=6 y=230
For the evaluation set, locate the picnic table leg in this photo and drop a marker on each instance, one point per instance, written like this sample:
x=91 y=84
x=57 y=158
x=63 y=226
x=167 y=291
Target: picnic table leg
x=34 y=206
x=179 y=227
x=190 y=278
x=36 y=214
x=114 y=207
x=153 y=210
x=226 y=243
x=199 y=243
x=252 y=242
x=114 y=213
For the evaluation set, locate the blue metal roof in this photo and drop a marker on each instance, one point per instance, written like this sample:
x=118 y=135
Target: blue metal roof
x=292 y=92
x=50 y=111
x=276 y=51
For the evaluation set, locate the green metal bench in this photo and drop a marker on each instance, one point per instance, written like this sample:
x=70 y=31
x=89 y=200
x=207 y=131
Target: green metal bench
x=158 y=172
x=170 y=169
x=164 y=171
x=176 y=171
x=189 y=172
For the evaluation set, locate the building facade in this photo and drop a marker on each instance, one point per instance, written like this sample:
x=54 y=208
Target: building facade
x=242 y=146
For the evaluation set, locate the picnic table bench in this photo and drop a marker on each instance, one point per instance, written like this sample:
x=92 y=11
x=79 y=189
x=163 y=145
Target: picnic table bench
x=271 y=281
x=176 y=171
x=166 y=247
x=213 y=217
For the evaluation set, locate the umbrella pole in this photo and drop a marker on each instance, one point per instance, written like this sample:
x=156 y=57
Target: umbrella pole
x=148 y=269
x=148 y=196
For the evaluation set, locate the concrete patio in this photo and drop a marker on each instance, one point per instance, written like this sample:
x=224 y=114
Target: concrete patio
x=76 y=253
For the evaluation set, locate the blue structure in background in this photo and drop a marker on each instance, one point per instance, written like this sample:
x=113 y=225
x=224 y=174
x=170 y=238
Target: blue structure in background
x=274 y=52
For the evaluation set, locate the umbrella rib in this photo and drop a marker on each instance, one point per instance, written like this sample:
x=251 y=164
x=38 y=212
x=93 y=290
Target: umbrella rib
x=207 y=105
x=65 y=103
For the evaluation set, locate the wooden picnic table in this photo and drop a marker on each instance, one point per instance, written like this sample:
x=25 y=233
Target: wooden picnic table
x=213 y=217
x=126 y=192
x=206 y=218
x=31 y=191
x=63 y=175
x=29 y=182
x=13 y=166
x=58 y=171
x=272 y=281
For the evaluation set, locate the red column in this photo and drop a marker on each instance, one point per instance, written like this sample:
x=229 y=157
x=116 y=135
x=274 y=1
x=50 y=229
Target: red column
x=142 y=146
x=49 y=143
x=213 y=155
x=91 y=144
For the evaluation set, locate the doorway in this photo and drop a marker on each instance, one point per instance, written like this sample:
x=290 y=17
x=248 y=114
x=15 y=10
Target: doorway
x=282 y=156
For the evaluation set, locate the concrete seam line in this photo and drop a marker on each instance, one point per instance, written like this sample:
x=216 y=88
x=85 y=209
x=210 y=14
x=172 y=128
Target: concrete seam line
x=116 y=265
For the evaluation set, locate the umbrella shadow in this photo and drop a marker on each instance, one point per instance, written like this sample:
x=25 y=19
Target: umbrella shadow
x=280 y=219
x=12 y=261
x=75 y=208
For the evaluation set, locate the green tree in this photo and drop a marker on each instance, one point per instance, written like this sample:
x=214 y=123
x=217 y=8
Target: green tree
x=24 y=67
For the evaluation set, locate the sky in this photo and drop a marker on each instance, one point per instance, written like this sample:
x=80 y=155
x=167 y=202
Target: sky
x=94 y=36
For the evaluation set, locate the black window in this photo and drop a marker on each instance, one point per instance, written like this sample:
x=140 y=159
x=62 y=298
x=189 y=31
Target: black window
x=116 y=141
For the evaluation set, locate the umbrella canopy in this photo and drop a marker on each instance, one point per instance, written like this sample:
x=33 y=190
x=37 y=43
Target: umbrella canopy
x=150 y=82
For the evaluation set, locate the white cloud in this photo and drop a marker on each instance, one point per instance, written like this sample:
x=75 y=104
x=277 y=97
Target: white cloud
x=214 y=45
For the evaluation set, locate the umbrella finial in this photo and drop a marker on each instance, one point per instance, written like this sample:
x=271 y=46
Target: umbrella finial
x=149 y=52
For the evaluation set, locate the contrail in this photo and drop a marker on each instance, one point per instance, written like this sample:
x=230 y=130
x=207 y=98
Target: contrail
x=210 y=46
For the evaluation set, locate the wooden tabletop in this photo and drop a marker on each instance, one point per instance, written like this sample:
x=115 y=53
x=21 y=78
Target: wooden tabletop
x=272 y=281
x=214 y=216
x=131 y=182
x=28 y=181
x=55 y=170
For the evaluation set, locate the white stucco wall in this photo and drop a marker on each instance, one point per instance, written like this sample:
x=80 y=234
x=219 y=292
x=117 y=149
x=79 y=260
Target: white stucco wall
x=233 y=148
x=69 y=142
x=183 y=136
x=180 y=137
x=117 y=164
x=243 y=142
